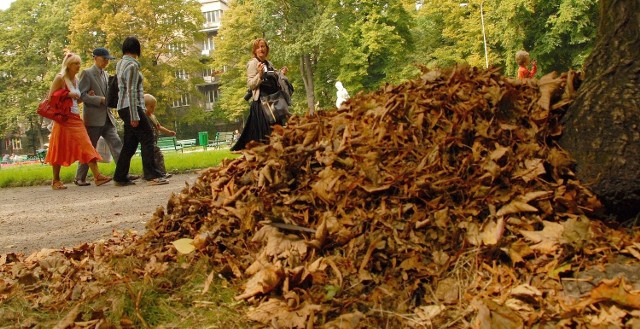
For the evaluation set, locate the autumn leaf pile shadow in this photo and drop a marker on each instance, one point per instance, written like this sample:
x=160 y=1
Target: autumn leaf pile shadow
x=440 y=202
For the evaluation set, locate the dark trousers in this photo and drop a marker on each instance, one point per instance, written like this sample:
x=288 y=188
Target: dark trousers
x=142 y=134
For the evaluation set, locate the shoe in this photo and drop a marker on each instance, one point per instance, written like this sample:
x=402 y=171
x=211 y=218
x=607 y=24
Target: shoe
x=167 y=175
x=157 y=181
x=101 y=180
x=133 y=177
x=58 y=185
x=127 y=183
x=81 y=182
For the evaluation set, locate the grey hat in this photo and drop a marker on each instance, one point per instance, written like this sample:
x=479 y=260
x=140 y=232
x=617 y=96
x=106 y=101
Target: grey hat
x=103 y=53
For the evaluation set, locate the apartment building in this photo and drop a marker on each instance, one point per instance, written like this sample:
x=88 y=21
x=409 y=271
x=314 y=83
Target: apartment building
x=212 y=11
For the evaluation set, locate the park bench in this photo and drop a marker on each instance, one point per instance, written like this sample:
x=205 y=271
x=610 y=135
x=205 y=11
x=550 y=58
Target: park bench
x=223 y=139
x=41 y=154
x=187 y=142
x=166 y=144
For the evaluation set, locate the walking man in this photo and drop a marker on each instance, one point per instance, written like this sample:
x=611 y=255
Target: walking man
x=98 y=119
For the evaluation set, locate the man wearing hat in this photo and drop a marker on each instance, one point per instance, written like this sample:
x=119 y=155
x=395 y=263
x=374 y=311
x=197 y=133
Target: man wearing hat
x=98 y=118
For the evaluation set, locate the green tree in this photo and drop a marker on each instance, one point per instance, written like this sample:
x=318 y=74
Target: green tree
x=301 y=32
x=378 y=42
x=559 y=34
x=33 y=38
x=232 y=52
x=168 y=31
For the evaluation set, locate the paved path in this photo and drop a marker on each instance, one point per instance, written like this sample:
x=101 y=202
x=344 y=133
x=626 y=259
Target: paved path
x=32 y=218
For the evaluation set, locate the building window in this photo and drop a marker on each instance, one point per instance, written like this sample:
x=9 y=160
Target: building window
x=177 y=48
x=212 y=17
x=182 y=101
x=182 y=74
x=208 y=72
x=208 y=44
x=211 y=96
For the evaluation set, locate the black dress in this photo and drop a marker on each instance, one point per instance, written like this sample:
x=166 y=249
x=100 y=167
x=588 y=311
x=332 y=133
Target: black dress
x=257 y=127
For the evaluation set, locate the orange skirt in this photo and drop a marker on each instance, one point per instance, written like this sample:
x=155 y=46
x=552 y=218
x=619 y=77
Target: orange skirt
x=69 y=142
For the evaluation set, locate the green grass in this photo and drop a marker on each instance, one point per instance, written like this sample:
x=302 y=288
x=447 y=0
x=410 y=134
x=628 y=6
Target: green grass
x=175 y=162
x=171 y=299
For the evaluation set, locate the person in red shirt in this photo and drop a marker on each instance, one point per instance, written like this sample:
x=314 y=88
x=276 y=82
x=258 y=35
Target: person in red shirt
x=523 y=60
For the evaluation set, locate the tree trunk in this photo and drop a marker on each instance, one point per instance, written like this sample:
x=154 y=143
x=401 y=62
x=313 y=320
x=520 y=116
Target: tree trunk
x=602 y=126
x=307 y=76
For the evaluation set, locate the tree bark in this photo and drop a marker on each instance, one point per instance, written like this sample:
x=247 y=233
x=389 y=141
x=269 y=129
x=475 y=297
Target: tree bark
x=602 y=126
x=307 y=77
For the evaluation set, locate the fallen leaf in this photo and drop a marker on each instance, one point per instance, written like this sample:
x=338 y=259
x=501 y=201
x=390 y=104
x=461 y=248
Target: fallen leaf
x=184 y=245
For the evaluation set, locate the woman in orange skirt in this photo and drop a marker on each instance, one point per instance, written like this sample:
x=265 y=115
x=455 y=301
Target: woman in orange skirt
x=69 y=141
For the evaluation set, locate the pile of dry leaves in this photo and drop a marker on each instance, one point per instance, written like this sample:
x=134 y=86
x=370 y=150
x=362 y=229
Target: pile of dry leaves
x=440 y=202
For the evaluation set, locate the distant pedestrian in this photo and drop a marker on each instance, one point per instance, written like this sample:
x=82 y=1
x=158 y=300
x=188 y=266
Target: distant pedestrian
x=69 y=141
x=523 y=60
x=150 y=103
x=97 y=117
x=137 y=128
x=262 y=80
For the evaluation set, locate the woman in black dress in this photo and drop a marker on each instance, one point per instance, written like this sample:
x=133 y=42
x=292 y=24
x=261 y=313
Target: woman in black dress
x=261 y=80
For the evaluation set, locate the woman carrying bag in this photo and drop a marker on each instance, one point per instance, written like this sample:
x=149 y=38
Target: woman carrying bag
x=69 y=141
x=262 y=80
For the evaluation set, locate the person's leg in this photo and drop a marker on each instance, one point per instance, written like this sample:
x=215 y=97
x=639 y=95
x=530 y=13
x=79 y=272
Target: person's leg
x=110 y=135
x=98 y=178
x=129 y=146
x=56 y=184
x=159 y=159
x=56 y=172
x=144 y=134
x=81 y=172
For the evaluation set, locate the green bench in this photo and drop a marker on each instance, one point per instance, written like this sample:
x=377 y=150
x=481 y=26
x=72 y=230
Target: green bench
x=166 y=144
x=223 y=138
x=187 y=142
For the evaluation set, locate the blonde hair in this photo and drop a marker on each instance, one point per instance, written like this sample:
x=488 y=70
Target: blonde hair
x=148 y=98
x=68 y=59
x=521 y=57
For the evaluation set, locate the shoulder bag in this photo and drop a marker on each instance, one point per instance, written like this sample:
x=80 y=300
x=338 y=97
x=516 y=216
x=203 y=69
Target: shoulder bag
x=275 y=107
x=53 y=108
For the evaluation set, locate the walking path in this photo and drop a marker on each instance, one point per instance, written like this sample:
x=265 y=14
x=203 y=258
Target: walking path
x=36 y=217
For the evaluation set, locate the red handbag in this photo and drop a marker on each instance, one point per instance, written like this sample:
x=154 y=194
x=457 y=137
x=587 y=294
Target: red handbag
x=57 y=108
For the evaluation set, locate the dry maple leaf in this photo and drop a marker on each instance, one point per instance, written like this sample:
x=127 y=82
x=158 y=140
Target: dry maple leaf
x=546 y=240
x=267 y=279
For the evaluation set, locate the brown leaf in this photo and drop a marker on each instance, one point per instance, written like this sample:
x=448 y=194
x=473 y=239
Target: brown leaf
x=492 y=315
x=515 y=207
x=262 y=282
x=546 y=240
x=277 y=313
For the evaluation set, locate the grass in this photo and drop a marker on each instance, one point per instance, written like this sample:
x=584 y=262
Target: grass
x=173 y=299
x=175 y=162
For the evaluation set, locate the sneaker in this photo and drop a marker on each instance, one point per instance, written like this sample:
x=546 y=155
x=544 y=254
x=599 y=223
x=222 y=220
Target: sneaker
x=167 y=175
x=157 y=181
x=127 y=183
x=79 y=182
x=133 y=177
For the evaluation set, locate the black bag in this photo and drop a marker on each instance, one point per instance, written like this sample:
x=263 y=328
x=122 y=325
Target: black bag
x=112 y=92
x=275 y=107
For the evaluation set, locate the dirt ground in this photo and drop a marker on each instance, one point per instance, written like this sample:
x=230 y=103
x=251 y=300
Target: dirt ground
x=32 y=218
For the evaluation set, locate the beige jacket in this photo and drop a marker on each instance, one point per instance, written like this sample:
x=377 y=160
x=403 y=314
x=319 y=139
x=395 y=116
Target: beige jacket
x=254 y=78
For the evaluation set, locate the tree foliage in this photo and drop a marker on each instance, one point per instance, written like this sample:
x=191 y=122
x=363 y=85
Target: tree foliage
x=33 y=38
x=168 y=31
x=362 y=43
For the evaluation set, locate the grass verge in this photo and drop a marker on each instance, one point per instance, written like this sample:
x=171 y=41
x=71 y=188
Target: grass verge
x=173 y=299
x=175 y=162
